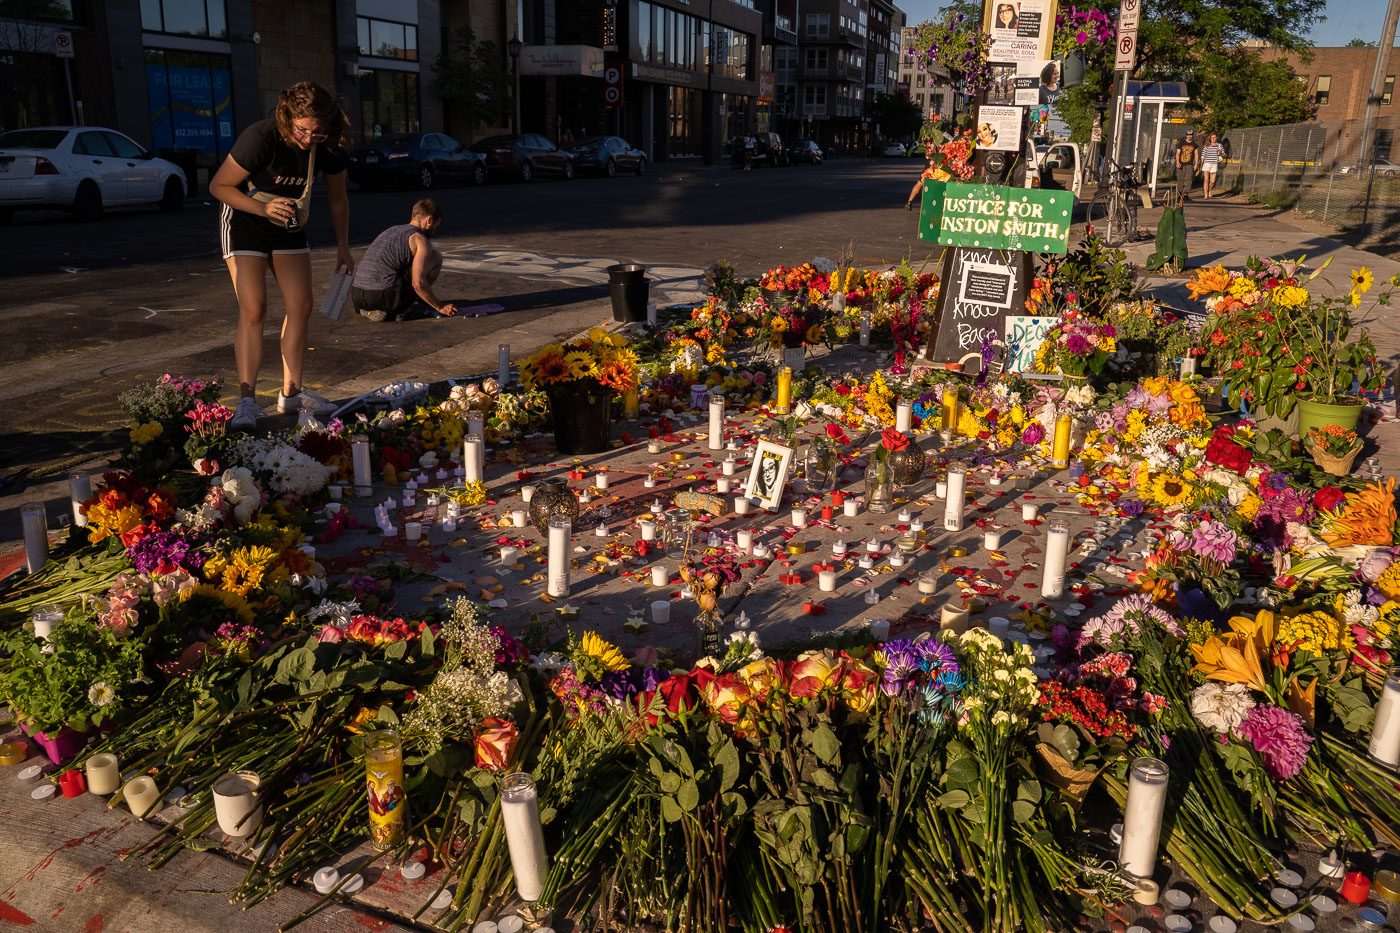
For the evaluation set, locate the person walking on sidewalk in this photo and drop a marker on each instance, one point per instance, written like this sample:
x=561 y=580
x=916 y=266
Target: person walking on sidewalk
x=1211 y=154
x=1188 y=160
x=400 y=267
x=265 y=186
x=750 y=147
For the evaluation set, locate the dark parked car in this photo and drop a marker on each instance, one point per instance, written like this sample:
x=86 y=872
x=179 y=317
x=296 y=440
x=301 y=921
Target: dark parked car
x=419 y=159
x=607 y=154
x=524 y=156
x=769 y=151
x=804 y=150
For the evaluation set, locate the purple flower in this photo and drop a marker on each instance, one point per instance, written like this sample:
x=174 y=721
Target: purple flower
x=1077 y=345
x=901 y=667
x=180 y=548
x=1131 y=508
x=1374 y=564
x=618 y=684
x=1081 y=37
x=1214 y=541
x=1279 y=737
x=937 y=657
x=1033 y=433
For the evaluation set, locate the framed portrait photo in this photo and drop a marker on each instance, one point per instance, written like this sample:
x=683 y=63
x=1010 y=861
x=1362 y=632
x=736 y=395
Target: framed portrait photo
x=769 y=474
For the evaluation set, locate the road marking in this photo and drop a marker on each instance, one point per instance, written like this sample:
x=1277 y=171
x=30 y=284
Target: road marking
x=152 y=312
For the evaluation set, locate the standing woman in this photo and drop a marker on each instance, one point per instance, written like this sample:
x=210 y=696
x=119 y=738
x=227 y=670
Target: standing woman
x=265 y=186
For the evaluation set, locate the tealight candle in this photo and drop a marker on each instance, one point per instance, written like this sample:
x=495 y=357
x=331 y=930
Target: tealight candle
x=1142 y=817
x=761 y=550
x=906 y=516
x=409 y=497
x=712 y=540
x=994 y=479
x=648 y=529
x=656 y=506
x=1029 y=511
x=518 y=518
x=850 y=508
x=103 y=773
x=412 y=532
x=649 y=482
x=897 y=560
x=838 y=548
x=867 y=563
x=799 y=518
x=601 y=531
x=872 y=546
x=660 y=576
x=585 y=497
x=826 y=581
x=449 y=524
x=390 y=531
x=916 y=526
x=526 y=494
x=743 y=539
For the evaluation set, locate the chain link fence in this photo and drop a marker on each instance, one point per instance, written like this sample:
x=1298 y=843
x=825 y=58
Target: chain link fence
x=1317 y=169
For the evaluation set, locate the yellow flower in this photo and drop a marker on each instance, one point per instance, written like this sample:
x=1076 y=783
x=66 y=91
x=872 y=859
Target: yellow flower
x=1361 y=280
x=246 y=568
x=1241 y=287
x=1289 y=296
x=606 y=654
x=1234 y=660
x=1249 y=507
x=581 y=364
x=1389 y=582
x=232 y=602
x=145 y=433
x=1318 y=632
x=1171 y=490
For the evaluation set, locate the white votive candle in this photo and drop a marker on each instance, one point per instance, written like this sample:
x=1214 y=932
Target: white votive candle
x=558 y=567
x=412 y=531
x=991 y=540
x=799 y=518
x=880 y=629
x=743 y=539
x=954 y=618
x=742 y=505
x=520 y=815
x=601 y=480
x=728 y=467
x=103 y=773
x=517 y=518
x=903 y=417
x=722 y=484
x=940 y=489
x=141 y=796
x=1029 y=511
x=1052 y=582
x=79 y=491
x=336 y=491
x=653 y=446
x=526 y=494
x=648 y=529
x=850 y=508
x=333 y=509
x=826 y=580
x=660 y=612
x=1385 y=736
x=509 y=554
x=660 y=576
x=359 y=458
x=1142 y=817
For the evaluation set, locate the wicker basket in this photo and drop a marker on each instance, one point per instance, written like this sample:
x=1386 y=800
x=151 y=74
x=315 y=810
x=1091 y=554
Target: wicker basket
x=1337 y=466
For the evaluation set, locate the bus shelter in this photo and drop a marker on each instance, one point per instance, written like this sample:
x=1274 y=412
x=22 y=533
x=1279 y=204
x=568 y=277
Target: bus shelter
x=1151 y=127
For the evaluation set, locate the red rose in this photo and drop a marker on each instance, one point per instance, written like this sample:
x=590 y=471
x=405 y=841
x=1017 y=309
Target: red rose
x=495 y=743
x=893 y=440
x=1223 y=450
x=1327 y=498
x=835 y=432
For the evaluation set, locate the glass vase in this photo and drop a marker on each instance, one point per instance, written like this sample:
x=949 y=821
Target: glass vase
x=879 y=487
x=822 y=465
x=707 y=628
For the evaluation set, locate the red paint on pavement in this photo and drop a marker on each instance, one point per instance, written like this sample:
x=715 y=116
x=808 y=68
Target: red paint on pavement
x=94 y=924
x=14 y=915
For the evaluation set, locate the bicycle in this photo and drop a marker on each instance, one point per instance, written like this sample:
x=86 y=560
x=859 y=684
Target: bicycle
x=1112 y=214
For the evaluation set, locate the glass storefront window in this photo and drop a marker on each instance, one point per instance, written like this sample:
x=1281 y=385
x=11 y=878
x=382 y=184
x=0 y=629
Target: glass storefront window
x=57 y=11
x=680 y=107
x=34 y=94
x=380 y=38
x=389 y=102
x=190 y=100
x=185 y=17
x=642 y=50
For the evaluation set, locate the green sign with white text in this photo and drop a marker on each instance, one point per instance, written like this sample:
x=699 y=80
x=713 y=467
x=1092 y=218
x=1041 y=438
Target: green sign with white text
x=995 y=217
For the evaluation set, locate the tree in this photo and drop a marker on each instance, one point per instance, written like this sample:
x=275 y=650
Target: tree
x=1360 y=43
x=473 y=81
x=897 y=115
x=1245 y=90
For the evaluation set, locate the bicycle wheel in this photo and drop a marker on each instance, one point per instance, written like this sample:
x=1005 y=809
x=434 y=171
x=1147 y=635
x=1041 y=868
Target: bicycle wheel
x=1107 y=218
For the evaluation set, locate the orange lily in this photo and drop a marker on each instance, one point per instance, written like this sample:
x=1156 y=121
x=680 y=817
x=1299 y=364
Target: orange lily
x=1233 y=660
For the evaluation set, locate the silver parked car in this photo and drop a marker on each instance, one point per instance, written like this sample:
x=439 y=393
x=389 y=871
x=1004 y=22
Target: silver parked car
x=83 y=169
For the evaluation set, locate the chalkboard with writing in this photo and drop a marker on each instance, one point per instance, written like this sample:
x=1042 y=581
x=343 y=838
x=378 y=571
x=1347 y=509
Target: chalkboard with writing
x=980 y=288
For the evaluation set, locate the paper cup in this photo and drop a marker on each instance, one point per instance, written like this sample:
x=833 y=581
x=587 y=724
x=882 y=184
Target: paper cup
x=238 y=803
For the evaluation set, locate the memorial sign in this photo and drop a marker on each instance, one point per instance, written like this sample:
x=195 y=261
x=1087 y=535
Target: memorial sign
x=998 y=217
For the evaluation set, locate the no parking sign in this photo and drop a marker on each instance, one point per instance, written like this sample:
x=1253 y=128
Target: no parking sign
x=612 y=85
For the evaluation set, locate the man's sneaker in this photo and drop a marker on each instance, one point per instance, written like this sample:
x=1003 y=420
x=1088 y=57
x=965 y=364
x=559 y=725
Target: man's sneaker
x=378 y=317
x=245 y=417
x=305 y=400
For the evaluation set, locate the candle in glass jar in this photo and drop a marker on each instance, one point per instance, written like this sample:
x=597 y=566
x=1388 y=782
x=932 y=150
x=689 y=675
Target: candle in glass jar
x=36 y=535
x=474 y=458
x=520 y=815
x=1052 y=583
x=903 y=416
x=103 y=773
x=79 y=491
x=991 y=540
x=953 y=509
x=359 y=457
x=503 y=364
x=1385 y=736
x=1059 y=453
x=783 y=405
x=384 y=782
x=653 y=446
x=1142 y=817
x=558 y=575
x=950 y=408
x=716 y=420
x=928 y=583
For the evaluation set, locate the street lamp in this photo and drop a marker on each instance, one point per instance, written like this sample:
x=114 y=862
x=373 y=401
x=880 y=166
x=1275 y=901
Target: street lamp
x=513 y=47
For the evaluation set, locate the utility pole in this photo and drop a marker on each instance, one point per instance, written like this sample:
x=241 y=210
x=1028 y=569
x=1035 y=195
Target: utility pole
x=1373 y=101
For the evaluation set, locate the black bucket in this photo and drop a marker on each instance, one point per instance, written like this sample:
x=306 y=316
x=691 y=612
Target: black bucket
x=627 y=282
x=582 y=422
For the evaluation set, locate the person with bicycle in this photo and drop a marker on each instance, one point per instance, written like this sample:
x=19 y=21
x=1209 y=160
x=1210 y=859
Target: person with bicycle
x=1188 y=162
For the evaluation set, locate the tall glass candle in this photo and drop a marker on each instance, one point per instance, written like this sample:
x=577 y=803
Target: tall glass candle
x=558 y=577
x=864 y=323
x=359 y=456
x=79 y=491
x=1059 y=452
x=953 y=508
x=950 y=408
x=1188 y=366
x=476 y=425
x=783 y=405
x=903 y=416
x=520 y=814
x=36 y=535
x=474 y=458
x=1385 y=736
x=1052 y=583
x=503 y=365
x=384 y=780
x=1142 y=817
x=631 y=404
x=103 y=773
x=716 y=420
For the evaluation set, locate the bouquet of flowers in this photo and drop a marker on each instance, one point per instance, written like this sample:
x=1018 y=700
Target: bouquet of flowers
x=792 y=324
x=1077 y=346
x=788 y=278
x=596 y=362
x=208 y=435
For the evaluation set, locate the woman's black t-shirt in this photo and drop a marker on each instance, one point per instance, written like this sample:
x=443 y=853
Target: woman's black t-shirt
x=277 y=168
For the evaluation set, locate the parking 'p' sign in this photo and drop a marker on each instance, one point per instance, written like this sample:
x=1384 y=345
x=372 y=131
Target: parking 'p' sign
x=612 y=85
x=63 y=44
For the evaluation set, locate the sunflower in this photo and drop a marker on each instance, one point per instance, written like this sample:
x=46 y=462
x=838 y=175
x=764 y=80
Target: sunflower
x=1170 y=490
x=547 y=366
x=215 y=606
x=246 y=568
x=619 y=376
x=596 y=657
x=581 y=364
x=1361 y=280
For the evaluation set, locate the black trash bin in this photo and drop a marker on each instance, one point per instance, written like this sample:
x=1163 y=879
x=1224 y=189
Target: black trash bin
x=627 y=282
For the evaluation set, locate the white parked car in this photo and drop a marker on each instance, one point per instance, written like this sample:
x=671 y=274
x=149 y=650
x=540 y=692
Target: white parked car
x=895 y=150
x=82 y=169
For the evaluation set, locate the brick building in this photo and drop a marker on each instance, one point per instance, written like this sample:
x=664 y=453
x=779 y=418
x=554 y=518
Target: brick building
x=1338 y=80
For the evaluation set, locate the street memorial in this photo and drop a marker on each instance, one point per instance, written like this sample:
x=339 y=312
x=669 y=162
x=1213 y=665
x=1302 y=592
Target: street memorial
x=993 y=653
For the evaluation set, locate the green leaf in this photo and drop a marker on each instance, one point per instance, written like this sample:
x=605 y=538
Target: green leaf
x=1022 y=810
x=824 y=779
x=963 y=772
x=727 y=760
x=954 y=800
x=670 y=811
x=1029 y=790
x=396 y=651
x=826 y=744
x=977 y=813
x=735 y=805
x=688 y=796
x=670 y=782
